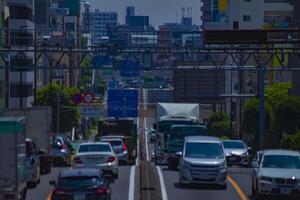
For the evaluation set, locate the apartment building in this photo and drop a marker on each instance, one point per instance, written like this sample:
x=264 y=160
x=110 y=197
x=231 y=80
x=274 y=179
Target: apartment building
x=21 y=34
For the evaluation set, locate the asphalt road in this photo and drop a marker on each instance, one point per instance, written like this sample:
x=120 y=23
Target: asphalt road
x=119 y=188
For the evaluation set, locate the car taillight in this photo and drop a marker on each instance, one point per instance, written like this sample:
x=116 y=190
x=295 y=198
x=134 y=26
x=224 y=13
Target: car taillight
x=101 y=190
x=77 y=160
x=111 y=159
x=58 y=192
x=124 y=147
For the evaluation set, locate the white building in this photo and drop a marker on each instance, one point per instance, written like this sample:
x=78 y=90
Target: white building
x=21 y=79
x=96 y=23
x=254 y=14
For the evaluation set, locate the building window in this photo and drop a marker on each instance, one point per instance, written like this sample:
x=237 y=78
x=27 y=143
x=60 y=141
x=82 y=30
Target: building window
x=20 y=12
x=24 y=90
x=2 y=88
x=21 y=38
x=70 y=26
x=247 y=18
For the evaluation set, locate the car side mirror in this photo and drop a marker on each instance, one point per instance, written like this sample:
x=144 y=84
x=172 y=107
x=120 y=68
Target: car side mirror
x=254 y=164
x=178 y=154
x=53 y=183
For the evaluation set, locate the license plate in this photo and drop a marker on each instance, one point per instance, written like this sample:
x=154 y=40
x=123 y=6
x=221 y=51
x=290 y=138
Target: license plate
x=231 y=158
x=202 y=176
x=79 y=197
x=285 y=191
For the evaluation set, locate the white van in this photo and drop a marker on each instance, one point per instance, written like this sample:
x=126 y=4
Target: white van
x=202 y=161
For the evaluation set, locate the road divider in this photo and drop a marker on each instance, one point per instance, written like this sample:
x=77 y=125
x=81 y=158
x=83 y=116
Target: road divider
x=146 y=139
x=164 y=194
x=237 y=188
x=131 y=183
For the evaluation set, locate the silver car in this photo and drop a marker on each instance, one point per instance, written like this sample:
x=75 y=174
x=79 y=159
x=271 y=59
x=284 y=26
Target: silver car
x=202 y=161
x=236 y=152
x=120 y=149
x=99 y=155
x=277 y=174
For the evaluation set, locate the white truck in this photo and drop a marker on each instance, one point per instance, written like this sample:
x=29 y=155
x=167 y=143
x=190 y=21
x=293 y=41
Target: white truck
x=167 y=115
x=38 y=128
x=13 y=173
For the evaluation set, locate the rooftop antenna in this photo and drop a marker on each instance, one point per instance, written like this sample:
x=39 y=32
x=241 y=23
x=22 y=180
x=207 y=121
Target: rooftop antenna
x=183 y=11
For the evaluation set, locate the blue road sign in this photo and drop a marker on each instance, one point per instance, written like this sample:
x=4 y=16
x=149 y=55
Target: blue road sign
x=129 y=68
x=122 y=103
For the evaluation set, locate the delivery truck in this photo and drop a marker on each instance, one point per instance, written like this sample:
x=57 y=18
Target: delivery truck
x=13 y=173
x=167 y=115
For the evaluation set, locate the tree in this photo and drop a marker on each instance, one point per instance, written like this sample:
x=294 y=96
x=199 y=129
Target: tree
x=287 y=116
x=277 y=92
x=219 y=124
x=221 y=129
x=291 y=142
x=250 y=119
x=54 y=95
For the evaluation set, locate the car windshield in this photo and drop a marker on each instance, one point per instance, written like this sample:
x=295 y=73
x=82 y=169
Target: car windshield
x=203 y=150
x=181 y=132
x=281 y=161
x=233 y=145
x=82 y=182
x=94 y=148
x=165 y=126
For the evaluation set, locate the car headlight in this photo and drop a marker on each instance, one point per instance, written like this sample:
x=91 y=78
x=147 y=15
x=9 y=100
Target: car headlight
x=245 y=153
x=265 y=178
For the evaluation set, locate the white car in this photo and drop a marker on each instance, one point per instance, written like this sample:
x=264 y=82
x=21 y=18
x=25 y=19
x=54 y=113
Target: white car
x=277 y=174
x=97 y=155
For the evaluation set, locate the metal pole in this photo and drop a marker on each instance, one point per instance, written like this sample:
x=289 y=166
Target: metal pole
x=35 y=62
x=57 y=113
x=21 y=89
x=261 y=107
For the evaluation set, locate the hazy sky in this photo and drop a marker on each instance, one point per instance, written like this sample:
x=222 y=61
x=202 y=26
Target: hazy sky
x=160 y=11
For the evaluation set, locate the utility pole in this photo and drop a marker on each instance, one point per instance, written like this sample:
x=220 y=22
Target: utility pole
x=57 y=112
x=261 y=94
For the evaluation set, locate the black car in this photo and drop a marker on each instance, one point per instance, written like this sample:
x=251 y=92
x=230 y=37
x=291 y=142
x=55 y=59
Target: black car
x=81 y=184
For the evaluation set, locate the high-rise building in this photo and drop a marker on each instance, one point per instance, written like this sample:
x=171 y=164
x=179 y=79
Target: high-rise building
x=21 y=28
x=97 y=23
x=2 y=71
x=134 y=20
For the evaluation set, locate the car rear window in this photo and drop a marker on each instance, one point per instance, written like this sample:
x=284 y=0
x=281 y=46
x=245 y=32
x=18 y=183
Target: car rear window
x=114 y=142
x=94 y=148
x=78 y=182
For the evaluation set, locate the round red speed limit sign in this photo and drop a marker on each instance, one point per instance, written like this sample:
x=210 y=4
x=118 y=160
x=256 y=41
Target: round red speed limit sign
x=88 y=98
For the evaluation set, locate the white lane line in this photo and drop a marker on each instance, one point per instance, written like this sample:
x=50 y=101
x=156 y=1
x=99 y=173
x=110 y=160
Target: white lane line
x=146 y=139
x=131 y=183
x=162 y=184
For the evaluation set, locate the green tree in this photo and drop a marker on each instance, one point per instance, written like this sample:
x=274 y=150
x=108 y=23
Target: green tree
x=250 y=119
x=287 y=116
x=219 y=124
x=277 y=92
x=221 y=129
x=291 y=142
x=59 y=95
